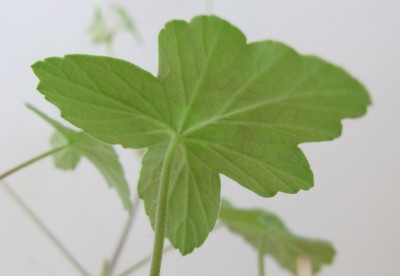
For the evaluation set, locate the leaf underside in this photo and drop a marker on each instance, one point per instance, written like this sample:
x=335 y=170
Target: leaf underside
x=238 y=109
x=280 y=243
x=101 y=155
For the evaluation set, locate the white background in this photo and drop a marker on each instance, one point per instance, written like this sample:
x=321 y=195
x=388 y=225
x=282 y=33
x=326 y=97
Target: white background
x=355 y=201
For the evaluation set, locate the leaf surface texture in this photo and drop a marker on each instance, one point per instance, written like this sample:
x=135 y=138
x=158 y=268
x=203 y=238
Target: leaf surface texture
x=238 y=108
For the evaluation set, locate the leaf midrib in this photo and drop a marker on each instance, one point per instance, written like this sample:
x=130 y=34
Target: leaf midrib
x=287 y=96
x=127 y=108
x=200 y=80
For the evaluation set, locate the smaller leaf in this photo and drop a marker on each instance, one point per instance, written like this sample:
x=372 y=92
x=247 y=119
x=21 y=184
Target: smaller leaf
x=67 y=159
x=99 y=30
x=280 y=243
x=79 y=144
x=126 y=22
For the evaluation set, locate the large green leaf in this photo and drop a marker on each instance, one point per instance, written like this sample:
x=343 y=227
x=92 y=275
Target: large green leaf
x=234 y=108
x=257 y=225
x=101 y=155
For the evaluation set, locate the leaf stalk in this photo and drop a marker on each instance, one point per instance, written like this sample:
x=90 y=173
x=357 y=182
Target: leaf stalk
x=162 y=201
x=123 y=238
x=31 y=161
x=143 y=262
x=45 y=229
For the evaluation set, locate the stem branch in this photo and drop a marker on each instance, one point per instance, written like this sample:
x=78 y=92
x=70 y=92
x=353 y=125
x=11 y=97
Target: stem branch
x=261 y=256
x=33 y=160
x=147 y=259
x=45 y=229
x=143 y=261
x=161 y=216
x=123 y=238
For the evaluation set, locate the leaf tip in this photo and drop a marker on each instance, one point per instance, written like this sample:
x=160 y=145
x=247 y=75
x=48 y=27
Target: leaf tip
x=37 y=65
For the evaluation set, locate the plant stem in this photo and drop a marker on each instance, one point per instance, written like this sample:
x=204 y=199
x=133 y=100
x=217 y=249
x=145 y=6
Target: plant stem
x=45 y=229
x=33 y=160
x=106 y=269
x=147 y=259
x=123 y=238
x=304 y=266
x=143 y=261
x=161 y=216
x=261 y=257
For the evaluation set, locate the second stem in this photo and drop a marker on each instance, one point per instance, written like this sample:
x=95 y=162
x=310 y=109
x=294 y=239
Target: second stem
x=261 y=256
x=31 y=161
x=161 y=216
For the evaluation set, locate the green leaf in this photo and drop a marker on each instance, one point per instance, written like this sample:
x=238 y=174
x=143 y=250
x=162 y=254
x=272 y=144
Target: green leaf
x=126 y=22
x=194 y=195
x=99 y=31
x=280 y=243
x=238 y=109
x=101 y=155
x=67 y=159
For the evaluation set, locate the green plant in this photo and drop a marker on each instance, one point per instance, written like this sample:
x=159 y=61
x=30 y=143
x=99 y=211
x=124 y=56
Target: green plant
x=269 y=236
x=102 y=33
x=218 y=105
x=76 y=144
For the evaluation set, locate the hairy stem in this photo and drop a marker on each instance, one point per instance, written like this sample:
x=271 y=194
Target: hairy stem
x=161 y=217
x=123 y=238
x=143 y=262
x=261 y=256
x=147 y=259
x=31 y=161
x=44 y=229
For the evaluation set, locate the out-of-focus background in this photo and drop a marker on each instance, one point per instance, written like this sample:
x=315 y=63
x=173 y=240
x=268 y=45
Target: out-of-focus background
x=355 y=202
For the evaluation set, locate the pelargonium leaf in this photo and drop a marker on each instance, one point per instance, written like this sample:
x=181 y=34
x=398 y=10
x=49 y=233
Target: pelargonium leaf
x=280 y=243
x=79 y=145
x=234 y=108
